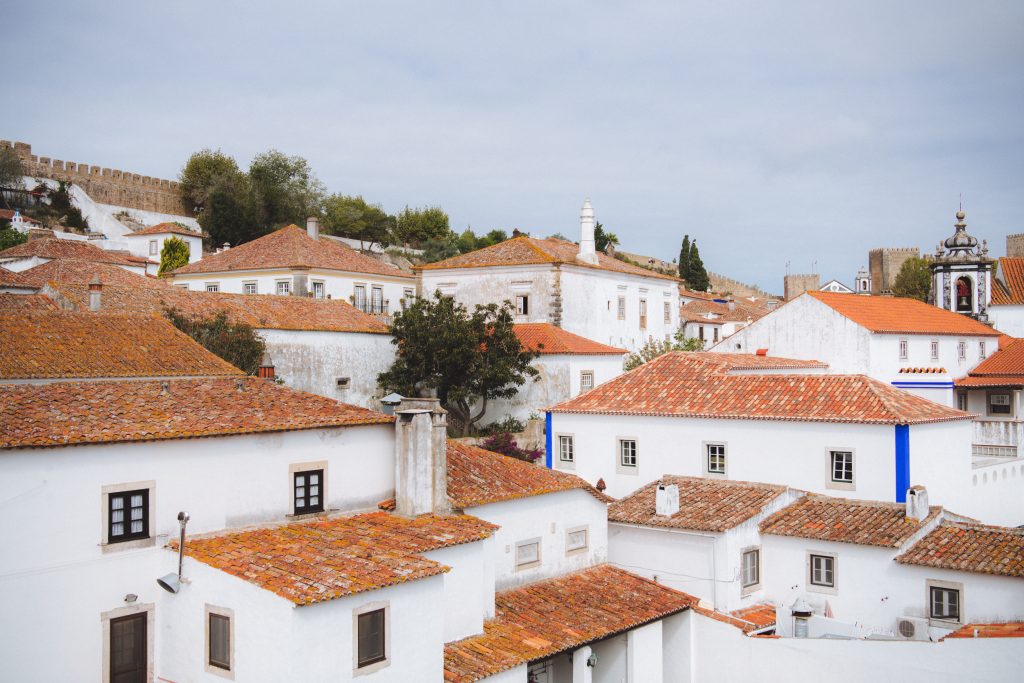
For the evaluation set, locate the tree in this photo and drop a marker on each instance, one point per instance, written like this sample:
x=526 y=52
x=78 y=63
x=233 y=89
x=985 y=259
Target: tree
x=352 y=217
x=237 y=343
x=439 y=249
x=229 y=214
x=491 y=238
x=286 y=191
x=467 y=358
x=698 y=280
x=602 y=239
x=466 y=241
x=9 y=237
x=684 y=259
x=654 y=348
x=914 y=280
x=173 y=255
x=62 y=209
x=417 y=226
x=202 y=172
x=12 y=170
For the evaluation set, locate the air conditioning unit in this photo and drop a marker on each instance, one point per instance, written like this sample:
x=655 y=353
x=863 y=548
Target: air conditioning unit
x=912 y=628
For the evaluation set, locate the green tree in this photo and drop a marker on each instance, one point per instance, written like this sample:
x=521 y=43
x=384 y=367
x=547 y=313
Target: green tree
x=173 y=255
x=602 y=239
x=491 y=238
x=684 y=259
x=9 y=237
x=352 y=217
x=237 y=343
x=12 y=170
x=467 y=358
x=435 y=250
x=229 y=214
x=655 y=347
x=698 y=280
x=202 y=172
x=286 y=191
x=467 y=241
x=416 y=226
x=914 y=280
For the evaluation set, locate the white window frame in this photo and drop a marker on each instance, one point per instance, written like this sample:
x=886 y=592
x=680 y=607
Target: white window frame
x=620 y=307
x=228 y=673
x=364 y=609
x=297 y=467
x=904 y=349
x=521 y=566
x=585 y=530
x=821 y=588
x=706 y=446
x=620 y=466
x=322 y=286
x=745 y=588
x=583 y=385
x=377 y=299
x=981 y=350
x=830 y=472
x=105 y=491
x=668 y=312
x=569 y=463
x=212 y=286
x=522 y=304
x=285 y=285
x=153 y=250
x=935 y=349
x=253 y=284
x=944 y=585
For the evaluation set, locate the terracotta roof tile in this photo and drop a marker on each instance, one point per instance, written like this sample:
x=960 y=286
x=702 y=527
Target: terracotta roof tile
x=543 y=619
x=1004 y=368
x=1008 y=288
x=478 y=477
x=1010 y=629
x=846 y=521
x=704 y=504
x=165 y=228
x=70 y=413
x=66 y=345
x=681 y=384
x=53 y=247
x=548 y=339
x=975 y=548
x=76 y=271
x=731 y=362
x=895 y=315
x=524 y=251
x=8 y=278
x=761 y=616
x=26 y=302
x=311 y=562
x=697 y=311
x=290 y=247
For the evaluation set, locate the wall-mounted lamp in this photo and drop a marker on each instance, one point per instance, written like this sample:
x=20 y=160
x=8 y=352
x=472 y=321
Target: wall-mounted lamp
x=592 y=659
x=130 y=598
x=172 y=582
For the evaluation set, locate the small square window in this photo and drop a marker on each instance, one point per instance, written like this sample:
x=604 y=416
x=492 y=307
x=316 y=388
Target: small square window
x=565 y=449
x=212 y=286
x=903 y=349
x=318 y=289
x=627 y=453
x=823 y=571
x=220 y=641
x=751 y=568
x=944 y=603
x=152 y=248
x=308 y=491
x=249 y=288
x=522 y=304
x=586 y=380
x=372 y=646
x=576 y=539
x=842 y=466
x=528 y=553
x=716 y=458
x=283 y=287
x=935 y=350
x=622 y=308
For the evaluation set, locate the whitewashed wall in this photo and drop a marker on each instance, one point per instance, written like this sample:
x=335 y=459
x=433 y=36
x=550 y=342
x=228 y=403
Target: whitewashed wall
x=468 y=587
x=313 y=361
x=1008 y=319
x=472 y=286
x=139 y=245
x=996 y=492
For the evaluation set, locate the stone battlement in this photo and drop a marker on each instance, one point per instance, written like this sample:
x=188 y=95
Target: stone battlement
x=1015 y=245
x=721 y=283
x=106 y=185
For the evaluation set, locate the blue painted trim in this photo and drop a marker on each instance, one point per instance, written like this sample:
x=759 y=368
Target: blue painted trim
x=547 y=439
x=906 y=385
x=902 y=462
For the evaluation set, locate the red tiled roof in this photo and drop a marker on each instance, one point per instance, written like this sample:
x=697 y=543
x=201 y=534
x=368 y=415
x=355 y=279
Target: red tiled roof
x=543 y=619
x=681 y=384
x=704 y=504
x=26 y=302
x=66 y=413
x=310 y=562
x=548 y=339
x=524 y=251
x=761 y=616
x=67 y=345
x=165 y=228
x=1004 y=368
x=290 y=247
x=262 y=311
x=697 y=311
x=730 y=362
x=895 y=315
x=8 y=278
x=53 y=247
x=1009 y=629
x=1008 y=288
x=76 y=271
x=975 y=548
x=863 y=522
x=478 y=477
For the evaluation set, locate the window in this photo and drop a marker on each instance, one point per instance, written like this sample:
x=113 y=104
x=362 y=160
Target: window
x=308 y=495
x=668 y=312
x=576 y=540
x=318 y=289
x=823 y=571
x=627 y=452
x=1000 y=404
x=715 y=331
x=715 y=458
x=407 y=298
x=283 y=287
x=249 y=288
x=528 y=553
x=643 y=314
x=565 y=449
x=622 y=308
x=842 y=466
x=700 y=333
x=129 y=648
x=128 y=516
x=522 y=304
x=903 y=349
x=220 y=653
x=372 y=645
x=935 y=350
x=961 y=350
x=586 y=380
x=359 y=297
x=961 y=400
x=377 y=300
x=944 y=603
x=152 y=248
x=212 y=286
x=981 y=350
x=750 y=568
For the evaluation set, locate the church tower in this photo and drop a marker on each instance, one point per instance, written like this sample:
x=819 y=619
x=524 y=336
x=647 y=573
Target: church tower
x=962 y=273
x=863 y=281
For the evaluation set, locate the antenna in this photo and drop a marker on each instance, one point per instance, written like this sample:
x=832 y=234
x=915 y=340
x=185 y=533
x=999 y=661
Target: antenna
x=814 y=267
x=787 y=267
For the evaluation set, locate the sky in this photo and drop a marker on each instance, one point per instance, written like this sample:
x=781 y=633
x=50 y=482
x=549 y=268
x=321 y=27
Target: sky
x=783 y=135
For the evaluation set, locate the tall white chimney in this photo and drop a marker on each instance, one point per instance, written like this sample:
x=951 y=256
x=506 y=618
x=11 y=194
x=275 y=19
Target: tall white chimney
x=917 y=503
x=421 y=459
x=95 y=294
x=666 y=500
x=588 y=252
x=313 y=227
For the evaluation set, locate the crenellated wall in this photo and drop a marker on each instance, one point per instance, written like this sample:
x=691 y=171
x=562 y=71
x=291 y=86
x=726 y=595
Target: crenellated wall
x=885 y=264
x=107 y=185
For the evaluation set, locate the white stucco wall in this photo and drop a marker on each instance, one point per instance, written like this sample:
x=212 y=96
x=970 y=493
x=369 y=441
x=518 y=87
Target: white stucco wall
x=468 y=587
x=1008 y=319
x=139 y=245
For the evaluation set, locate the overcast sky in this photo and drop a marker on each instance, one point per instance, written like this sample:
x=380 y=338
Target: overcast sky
x=809 y=133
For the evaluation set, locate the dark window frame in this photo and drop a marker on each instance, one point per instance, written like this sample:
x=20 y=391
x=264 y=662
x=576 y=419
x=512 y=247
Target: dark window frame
x=307 y=509
x=226 y=666
x=932 y=590
x=383 y=655
x=126 y=520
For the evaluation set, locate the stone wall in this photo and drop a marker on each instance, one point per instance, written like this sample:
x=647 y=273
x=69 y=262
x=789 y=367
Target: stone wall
x=723 y=284
x=795 y=285
x=885 y=265
x=107 y=185
x=1015 y=245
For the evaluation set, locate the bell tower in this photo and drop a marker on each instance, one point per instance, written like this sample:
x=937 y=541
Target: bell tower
x=962 y=273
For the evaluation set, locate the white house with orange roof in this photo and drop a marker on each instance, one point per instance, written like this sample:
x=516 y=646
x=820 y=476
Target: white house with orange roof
x=904 y=342
x=42 y=250
x=296 y=262
x=570 y=286
x=149 y=242
x=1006 y=309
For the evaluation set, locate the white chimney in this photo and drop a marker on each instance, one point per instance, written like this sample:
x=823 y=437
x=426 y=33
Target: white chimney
x=421 y=462
x=917 y=503
x=588 y=252
x=313 y=227
x=95 y=294
x=666 y=500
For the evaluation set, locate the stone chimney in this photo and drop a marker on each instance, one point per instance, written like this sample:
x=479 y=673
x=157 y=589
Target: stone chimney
x=95 y=294
x=917 y=503
x=666 y=500
x=588 y=252
x=39 y=233
x=313 y=227
x=266 y=369
x=421 y=462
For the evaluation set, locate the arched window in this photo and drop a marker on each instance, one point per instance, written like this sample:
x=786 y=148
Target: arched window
x=964 y=295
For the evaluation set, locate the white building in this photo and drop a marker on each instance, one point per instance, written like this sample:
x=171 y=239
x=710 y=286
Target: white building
x=296 y=262
x=149 y=242
x=570 y=286
x=835 y=287
x=1006 y=310
x=42 y=250
x=903 y=342
x=712 y=320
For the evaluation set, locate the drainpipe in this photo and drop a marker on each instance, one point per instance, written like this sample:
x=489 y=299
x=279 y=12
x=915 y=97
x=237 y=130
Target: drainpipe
x=547 y=439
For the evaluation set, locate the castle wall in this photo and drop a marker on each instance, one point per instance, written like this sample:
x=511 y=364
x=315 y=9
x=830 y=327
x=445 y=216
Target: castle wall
x=1015 y=245
x=795 y=285
x=884 y=265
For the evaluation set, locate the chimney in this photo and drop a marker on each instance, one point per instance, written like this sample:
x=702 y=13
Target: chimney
x=39 y=233
x=95 y=294
x=266 y=369
x=917 y=503
x=666 y=500
x=588 y=253
x=313 y=227
x=421 y=462
x=731 y=305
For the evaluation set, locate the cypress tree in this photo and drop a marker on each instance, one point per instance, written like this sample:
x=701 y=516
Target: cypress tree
x=684 y=259
x=698 y=279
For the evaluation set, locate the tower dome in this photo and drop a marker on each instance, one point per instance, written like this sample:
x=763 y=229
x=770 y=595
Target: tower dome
x=961 y=243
